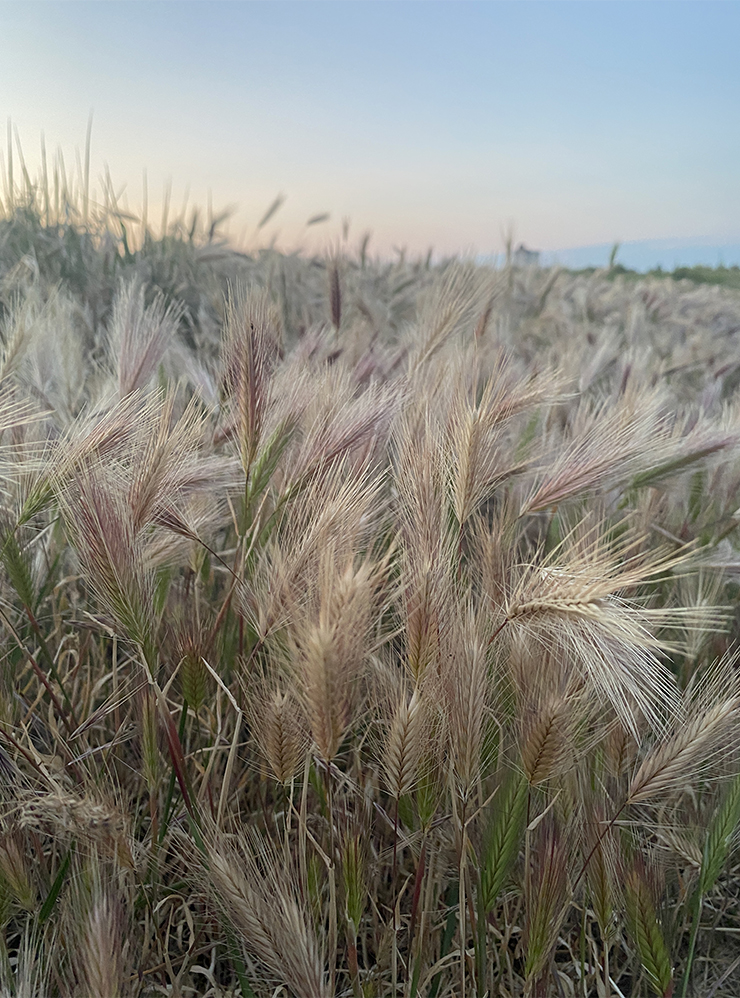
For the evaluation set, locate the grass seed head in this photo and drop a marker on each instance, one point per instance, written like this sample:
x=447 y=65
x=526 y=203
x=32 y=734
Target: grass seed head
x=14 y=872
x=405 y=744
x=279 y=728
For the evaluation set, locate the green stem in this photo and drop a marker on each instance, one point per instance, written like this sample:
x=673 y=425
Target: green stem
x=171 y=786
x=481 y=954
x=597 y=844
x=332 y=940
x=692 y=944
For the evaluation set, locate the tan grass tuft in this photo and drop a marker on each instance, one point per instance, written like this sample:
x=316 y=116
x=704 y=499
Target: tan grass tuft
x=140 y=334
x=466 y=693
x=570 y=604
x=14 y=872
x=90 y=818
x=101 y=956
x=258 y=895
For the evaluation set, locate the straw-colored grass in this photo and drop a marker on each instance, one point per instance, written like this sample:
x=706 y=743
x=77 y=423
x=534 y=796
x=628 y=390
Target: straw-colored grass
x=367 y=628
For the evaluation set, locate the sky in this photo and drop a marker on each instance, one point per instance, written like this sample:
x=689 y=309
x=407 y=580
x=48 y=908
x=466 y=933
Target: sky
x=443 y=125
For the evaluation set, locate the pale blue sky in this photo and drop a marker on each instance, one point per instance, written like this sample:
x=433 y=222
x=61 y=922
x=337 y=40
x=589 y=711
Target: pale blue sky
x=430 y=123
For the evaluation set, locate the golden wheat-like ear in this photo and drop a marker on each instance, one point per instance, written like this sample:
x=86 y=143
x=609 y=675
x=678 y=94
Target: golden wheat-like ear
x=279 y=725
x=102 y=955
x=632 y=442
x=187 y=643
x=426 y=539
x=170 y=465
x=547 y=739
x=329 y=643
x=140 y=334
x=251 y=884
x=101 y=526
x=495 y=543
x=103 y=432
x=620 y=749
x=14 y=872
x=605 y=870
x=251 y=338
x=24 y=451
x=480 y=454
x=55 y=367
x=690 y=750
x=339 y=510
x=340 y=423
x=17 y=412
x=451 y=305
x=33 y=970
x=405 y=743
x=570 y=603
x=704 y=727
x=465 y=689
x=690 y=442
x=20 y=328
x=604 y=444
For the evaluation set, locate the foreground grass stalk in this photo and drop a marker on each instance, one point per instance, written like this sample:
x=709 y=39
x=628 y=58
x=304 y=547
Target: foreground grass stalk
x=416 y=938
x=333 y=928
x=353 y=878
x=332 y=941
x=481 y=949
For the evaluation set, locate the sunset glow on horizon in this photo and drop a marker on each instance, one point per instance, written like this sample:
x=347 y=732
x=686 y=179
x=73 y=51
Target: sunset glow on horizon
x=445 y=125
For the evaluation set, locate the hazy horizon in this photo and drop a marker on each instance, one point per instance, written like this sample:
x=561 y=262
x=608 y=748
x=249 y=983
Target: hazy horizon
x=433 y=125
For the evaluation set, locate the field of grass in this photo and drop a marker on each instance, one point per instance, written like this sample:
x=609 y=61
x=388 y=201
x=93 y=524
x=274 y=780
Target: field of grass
x=367 y=628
